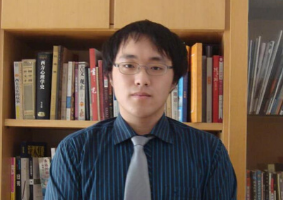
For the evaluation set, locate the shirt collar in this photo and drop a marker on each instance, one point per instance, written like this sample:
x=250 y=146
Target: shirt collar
x=123 y=132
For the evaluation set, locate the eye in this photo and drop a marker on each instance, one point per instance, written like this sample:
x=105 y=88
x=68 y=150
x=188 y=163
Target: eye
x=128 y=65
x=157 y=68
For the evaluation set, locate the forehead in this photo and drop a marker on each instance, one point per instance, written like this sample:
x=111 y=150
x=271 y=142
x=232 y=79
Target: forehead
x=140 y=47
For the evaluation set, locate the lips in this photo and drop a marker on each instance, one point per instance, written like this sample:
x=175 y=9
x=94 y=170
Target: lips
x=141 y=94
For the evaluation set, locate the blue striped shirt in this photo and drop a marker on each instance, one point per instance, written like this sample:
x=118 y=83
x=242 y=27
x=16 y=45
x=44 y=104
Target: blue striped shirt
x=183 y=163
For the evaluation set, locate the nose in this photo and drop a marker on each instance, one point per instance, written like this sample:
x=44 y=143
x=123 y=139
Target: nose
x=142 y=78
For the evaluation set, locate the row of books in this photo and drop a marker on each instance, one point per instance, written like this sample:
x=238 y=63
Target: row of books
x=54 y=87
x=265 y=77
x=30 y=172
x=265 y=183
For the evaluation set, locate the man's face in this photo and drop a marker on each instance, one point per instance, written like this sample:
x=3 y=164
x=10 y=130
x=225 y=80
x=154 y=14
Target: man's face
x=141 y=95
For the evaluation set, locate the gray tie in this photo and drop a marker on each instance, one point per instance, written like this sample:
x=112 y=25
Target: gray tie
x=137 y=182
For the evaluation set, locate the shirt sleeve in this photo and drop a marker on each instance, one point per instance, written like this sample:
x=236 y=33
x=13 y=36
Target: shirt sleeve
x=222 y=182
x=64 y=180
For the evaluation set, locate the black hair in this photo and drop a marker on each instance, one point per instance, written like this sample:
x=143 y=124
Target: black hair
x=166 y=42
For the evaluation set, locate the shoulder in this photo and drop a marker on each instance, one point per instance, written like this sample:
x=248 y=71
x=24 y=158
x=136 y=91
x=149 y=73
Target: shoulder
x=199 y=139
x=92 y=134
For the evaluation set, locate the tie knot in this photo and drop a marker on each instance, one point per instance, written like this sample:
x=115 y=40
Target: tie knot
x=140 y=140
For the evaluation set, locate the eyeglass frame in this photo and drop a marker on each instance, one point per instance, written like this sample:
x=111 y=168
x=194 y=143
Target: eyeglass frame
x=139 y=67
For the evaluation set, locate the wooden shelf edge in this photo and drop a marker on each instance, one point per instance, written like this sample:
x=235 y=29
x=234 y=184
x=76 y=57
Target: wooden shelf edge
x=73 y=124
x=83 y=124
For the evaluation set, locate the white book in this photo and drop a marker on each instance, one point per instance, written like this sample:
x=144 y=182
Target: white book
x=34 y=181
x=18 y=83
x=254 y=73
x=174 y=103
x=25 y=190
x=70 y=89
x=81 y=90
x=53 y=150
x=209 y=90
x=115 y=106
x=44 y=166
x=263 y=83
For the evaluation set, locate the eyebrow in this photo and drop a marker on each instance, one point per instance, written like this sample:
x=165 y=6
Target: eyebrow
x=130 y=56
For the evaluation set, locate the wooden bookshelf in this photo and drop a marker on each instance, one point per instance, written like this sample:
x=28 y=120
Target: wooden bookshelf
x=77 y=26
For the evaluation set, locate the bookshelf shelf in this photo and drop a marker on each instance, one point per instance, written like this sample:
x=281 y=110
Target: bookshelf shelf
x=83 y=124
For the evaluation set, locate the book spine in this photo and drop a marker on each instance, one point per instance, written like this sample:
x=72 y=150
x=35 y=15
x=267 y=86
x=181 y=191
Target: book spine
x=115 y=106
x=215 y=85
x=89 y=94
x=29 y=84
x=18 y=178
x=180 y=97
x=87 y=108
x=25 y=190
x=31 y=178
x=209 y=90
x=13 y=178
x=106 y=97
x=18 y=90
x=69 y=91
x=185 y=98
x=174 y=103
x=44 y=166
x=220 y=98
x=110 y=101
x=98 y=94
x=93 y=84
x=76 y=92
x=248 y=185
x=81 y=90
x=204 y=85
x=101 y=89
x=169 y=105
x=64 y=91
x=196 y=83
x=53 y=103
x=43 y=85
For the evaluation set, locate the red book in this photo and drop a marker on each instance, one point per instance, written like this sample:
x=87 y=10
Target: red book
x=215 y=89
x=93 y=84
x=101 y=89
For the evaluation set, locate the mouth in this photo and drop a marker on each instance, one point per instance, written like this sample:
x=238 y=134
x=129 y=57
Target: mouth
x=141 y=95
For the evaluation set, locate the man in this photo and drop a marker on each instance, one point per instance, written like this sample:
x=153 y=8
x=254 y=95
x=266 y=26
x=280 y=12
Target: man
x=144 y=61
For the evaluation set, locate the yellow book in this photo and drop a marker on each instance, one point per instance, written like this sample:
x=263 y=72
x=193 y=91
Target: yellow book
x=54 y=88
x=196 y=83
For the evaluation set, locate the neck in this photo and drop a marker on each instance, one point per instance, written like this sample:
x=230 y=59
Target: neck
x=142 y=126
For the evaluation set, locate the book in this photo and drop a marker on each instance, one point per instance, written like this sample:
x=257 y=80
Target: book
x=18 y=83
x=33 y=149
x=180 y=97
x=29 y=87
x=196 y=83
x=70 y=91
x=106 y=97
x=76 y=107
x=87 y=101
x=64 y=92
x=220 y=90
x=34 y=179
x=18 y=177
x=209 y=84
x=93 y=64
x=54 y=93
x=174 y=103
x=204 y=85
x=44 y=166
x=185 y=98
x=215 y=88
x=101 y=90
x=89 y=93
x=81 y=90
x=13 y=178
x=43 y=84
x=25 y=190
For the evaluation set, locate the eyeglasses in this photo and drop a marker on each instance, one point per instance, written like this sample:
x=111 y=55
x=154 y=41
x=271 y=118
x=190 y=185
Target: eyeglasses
x=153 y=69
